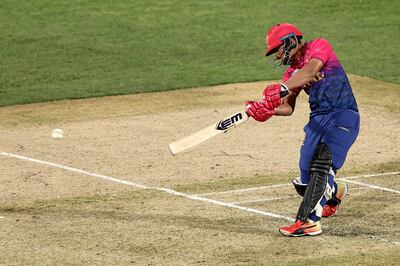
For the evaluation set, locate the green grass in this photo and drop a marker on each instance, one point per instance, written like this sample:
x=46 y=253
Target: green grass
x=52 y=50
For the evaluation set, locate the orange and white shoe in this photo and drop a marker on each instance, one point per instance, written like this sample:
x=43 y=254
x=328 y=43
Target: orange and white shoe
x=301 y=228
x=332 y=205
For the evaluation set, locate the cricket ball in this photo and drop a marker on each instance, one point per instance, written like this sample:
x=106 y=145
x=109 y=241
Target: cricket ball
x=57 y=133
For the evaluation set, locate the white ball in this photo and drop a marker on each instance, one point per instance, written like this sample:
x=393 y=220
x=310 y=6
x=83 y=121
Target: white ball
x=57 y=133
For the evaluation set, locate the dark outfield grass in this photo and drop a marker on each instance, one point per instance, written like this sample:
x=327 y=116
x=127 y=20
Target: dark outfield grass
x=53 y=50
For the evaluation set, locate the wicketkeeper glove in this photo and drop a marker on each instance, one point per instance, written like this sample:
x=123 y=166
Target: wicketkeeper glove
x=259 y=111
x=273 y=93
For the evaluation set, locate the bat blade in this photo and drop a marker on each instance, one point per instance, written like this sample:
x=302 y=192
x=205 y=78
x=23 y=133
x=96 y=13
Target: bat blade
x=207 y=133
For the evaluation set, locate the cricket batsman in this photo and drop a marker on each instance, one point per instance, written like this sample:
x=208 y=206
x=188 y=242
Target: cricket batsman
x=333 y=124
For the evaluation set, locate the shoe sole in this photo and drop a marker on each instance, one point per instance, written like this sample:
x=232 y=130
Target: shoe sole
x=306 y=234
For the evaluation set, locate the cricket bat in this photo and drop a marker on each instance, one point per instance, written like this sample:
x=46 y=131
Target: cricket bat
x=207 y=133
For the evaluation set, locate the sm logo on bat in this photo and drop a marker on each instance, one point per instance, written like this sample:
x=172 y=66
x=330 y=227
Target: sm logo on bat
x=229 y=122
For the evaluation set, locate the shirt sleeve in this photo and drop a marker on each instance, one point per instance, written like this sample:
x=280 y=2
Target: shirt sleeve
x=321 y=49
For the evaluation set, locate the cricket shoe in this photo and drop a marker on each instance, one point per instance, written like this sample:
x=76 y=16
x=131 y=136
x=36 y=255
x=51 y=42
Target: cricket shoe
x=302 y=228
x=332 y=205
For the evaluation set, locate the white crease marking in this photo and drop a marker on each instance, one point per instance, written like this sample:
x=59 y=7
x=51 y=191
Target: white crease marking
x=372 y=175
x=244 y=189
x=266 y=199
x=288 y=184
x=226 y=204
x=137 y=185
x=212 y=201
x=287 y=197
x=359 y=188
x=370 y=185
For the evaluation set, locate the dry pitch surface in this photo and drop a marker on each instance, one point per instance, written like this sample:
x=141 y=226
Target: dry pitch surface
x=67 y=212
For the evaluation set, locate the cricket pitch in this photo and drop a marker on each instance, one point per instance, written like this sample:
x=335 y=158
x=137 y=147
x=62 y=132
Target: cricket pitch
x=53 y=214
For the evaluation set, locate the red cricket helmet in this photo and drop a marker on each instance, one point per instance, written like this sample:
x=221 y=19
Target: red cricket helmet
x=277 y=33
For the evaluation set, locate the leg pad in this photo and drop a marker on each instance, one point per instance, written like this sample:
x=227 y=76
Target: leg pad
x=316 y=188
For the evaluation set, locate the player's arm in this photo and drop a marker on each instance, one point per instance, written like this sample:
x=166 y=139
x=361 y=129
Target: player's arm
x=280 y=99
x=261 y=112
x=302 y=78
x=275 y=93
x=288 y=104
x=304 y=75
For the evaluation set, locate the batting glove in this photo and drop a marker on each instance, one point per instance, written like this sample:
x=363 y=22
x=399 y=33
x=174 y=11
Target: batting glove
x=259 y=111
x=273 y=93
